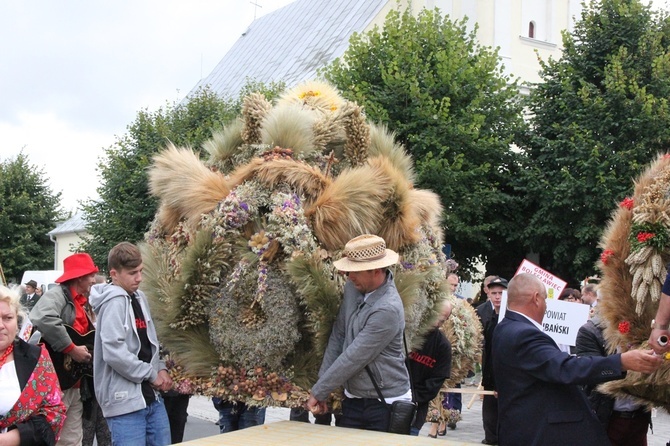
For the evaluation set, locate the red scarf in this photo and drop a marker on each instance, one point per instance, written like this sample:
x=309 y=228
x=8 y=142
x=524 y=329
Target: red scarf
x=81 y=322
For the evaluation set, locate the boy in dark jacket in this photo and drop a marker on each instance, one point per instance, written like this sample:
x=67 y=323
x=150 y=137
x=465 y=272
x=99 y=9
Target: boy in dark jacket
x=429 y=367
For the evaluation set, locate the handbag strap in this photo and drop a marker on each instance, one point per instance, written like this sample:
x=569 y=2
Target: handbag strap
x=379 y=392
x=374 y=382
x=409 y=369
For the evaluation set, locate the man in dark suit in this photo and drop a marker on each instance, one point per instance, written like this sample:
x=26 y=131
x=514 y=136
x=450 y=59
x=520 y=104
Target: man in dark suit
x=30 y=297
x=494 y=287
x=536 y=381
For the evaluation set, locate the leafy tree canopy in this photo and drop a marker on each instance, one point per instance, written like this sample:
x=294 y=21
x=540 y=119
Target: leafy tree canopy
x=125 y=208
x=450 y=104
x=28 y=211
x=600 y=114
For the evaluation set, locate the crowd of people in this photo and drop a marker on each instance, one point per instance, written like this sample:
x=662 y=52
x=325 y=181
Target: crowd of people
x=98 y=371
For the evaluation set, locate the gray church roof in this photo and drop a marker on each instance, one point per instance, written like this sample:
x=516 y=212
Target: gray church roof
x=74 y=224
x=291 y=43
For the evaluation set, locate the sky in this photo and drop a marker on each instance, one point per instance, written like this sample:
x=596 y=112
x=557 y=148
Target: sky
x=74 y=74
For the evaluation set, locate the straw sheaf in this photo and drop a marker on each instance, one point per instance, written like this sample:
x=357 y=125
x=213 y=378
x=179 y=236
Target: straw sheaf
x=427 y=206
x=306 y=180
x=651 y=207
x=185 y=187
x=618 y=303
x=312 y=94
x=358 y=134
x=400 y=221
x=290 y=127
x=329 y=135
x=224 y=143
x=350 y=206
x=191 y=345
x=466 y=340
x=649 y=390
x=255 y=108
x=421 y=312
x=374 y=199
x=382 y=143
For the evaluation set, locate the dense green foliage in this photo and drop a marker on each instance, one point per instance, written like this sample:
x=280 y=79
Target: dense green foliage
x=125 y=208
x=449 y=102
x=28 y=211
x=600 y=114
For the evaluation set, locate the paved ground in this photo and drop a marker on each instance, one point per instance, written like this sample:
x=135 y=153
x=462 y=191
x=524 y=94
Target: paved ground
x=202 y=417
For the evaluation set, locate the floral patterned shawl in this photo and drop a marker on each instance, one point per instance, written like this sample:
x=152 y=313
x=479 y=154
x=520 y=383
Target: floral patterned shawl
x=40 y=396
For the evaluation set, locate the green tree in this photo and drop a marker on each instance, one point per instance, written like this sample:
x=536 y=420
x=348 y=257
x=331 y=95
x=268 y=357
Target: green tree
x=125 y=208
x=599 y=116
x=450 y=104
x=28 y=211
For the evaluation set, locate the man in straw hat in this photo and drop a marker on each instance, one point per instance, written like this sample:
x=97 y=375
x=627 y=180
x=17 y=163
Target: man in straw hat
x=67 y=304
x=368 y=331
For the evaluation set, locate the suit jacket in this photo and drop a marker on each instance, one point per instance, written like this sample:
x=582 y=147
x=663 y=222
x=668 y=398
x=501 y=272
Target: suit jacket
x=29 y=305
x=590 y=342
x=489 y=319
x=539 y=400
x=485 y=312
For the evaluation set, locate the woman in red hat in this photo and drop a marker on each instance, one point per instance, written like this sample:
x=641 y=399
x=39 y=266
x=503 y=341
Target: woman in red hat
x=61 y=306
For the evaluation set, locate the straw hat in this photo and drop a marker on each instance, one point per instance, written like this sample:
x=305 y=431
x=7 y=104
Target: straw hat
x=364 y=253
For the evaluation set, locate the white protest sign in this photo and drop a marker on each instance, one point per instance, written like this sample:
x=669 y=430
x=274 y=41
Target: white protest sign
x=562 y=319
x=553 y=284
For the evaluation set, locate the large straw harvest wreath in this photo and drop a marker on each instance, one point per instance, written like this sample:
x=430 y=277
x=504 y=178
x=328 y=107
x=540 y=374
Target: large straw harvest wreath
x=238 y=262
x=635 y=251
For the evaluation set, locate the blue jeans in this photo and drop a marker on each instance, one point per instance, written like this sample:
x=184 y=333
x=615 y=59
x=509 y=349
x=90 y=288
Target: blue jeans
x=148 y=426
x=364 y=413
x=234 y=416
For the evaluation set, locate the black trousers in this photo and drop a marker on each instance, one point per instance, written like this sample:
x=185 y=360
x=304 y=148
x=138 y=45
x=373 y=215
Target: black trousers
x=490 y=418
x=364 y=413
x=176 y=407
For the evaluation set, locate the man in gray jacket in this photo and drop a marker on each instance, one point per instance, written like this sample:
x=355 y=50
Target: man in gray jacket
x=368 y=331
x=126 y=367
x=67 y=306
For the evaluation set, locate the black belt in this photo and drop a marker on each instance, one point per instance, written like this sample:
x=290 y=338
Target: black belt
x=629 y=413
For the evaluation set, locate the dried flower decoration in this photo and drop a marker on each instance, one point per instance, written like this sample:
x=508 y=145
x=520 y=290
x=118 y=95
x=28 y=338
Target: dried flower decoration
x=624 y=327
x=654 y=235
x=643 y=237
x=627 y=203
x=605 y=256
